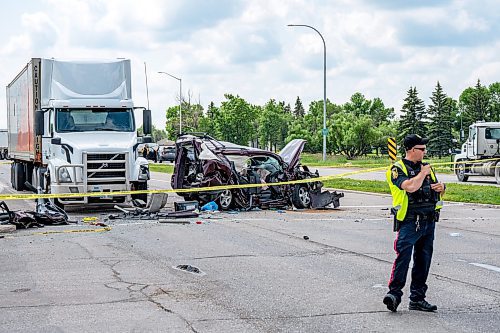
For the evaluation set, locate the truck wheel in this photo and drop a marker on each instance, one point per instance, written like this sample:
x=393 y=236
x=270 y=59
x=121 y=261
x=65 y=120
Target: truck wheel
x=141 y=186
x=497 y=172
x=460 y=172
x=18 y=176
x=301 y=198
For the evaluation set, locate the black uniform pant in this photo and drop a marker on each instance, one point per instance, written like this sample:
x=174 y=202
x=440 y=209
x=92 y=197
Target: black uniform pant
x=415 y=235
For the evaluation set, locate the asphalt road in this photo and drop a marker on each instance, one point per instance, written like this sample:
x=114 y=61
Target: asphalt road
x=257 y=272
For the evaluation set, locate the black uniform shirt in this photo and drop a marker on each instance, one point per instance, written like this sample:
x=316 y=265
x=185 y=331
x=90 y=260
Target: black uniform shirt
x=398 y=176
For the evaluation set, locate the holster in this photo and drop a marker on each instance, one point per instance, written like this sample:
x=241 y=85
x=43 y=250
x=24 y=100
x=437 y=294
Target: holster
x=436 y=215
x=396 y=224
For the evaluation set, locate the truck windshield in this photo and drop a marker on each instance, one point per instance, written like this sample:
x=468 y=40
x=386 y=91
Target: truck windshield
x=88 y=120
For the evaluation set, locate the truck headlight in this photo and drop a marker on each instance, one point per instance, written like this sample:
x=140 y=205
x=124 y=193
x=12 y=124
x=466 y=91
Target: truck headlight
x=63 y=175
x=144 y=172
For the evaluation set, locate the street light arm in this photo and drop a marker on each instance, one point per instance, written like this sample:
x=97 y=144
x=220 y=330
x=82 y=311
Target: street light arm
x=324 y=83
x=169 y=75
x=308 y=26
x=180 y=98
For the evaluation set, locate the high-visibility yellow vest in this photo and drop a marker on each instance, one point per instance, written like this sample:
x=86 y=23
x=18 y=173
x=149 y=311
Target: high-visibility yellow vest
x=400 y=197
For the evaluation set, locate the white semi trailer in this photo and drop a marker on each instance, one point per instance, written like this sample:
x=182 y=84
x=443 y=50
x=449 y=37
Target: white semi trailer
x=4 y=143
x=72 y=129
x=480 y=154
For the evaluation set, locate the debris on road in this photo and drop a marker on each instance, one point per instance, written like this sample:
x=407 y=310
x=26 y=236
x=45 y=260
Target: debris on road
x=46 y=214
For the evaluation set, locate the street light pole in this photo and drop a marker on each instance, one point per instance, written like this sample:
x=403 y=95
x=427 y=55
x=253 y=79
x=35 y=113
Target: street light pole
x=324 y=131
x=180 y=99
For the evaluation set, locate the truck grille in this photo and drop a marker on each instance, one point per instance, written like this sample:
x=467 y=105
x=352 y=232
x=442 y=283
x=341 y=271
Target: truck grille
x=104 y=168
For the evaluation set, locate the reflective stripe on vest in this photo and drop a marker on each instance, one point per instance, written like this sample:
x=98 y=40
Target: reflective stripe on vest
x=400 y=197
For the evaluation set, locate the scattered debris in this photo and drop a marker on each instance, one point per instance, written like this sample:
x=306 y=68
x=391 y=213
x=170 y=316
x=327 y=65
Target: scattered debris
x=306 y=237
x=46 y=214
x=173 y=221
x=323 y=199
x=210 y=206
x=189 y=269
x=186 y=205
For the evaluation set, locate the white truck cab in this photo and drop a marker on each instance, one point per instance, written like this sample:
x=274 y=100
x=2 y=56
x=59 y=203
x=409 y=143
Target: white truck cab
x=480 y=154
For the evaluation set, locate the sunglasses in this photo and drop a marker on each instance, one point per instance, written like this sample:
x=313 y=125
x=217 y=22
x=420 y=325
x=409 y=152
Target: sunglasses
x=421 y=149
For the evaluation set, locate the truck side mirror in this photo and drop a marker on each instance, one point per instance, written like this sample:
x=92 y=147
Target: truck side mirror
x=146 y=118
x=39 y=123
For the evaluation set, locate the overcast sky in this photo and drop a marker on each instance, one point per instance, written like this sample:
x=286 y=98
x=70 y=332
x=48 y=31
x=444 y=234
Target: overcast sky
x=379 y=48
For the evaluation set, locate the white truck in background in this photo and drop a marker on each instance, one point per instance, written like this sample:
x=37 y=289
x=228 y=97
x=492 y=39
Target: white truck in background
x=72 y=129
x=4 y=144
x=480 y=154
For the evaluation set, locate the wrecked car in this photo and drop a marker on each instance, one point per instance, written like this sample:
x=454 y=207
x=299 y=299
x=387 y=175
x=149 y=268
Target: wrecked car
x=202 y=161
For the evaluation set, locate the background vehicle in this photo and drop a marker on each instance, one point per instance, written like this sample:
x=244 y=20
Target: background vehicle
x=483 y=148
x=202 y=161
x=4 y=144
x=166 y=153
x=72 y=129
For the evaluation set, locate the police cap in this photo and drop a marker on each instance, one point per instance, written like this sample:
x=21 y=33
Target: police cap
x=413 y=140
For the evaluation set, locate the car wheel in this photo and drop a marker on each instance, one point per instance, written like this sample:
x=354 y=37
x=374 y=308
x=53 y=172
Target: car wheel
x=460 y=171
x=301 y=197
x=225 y=199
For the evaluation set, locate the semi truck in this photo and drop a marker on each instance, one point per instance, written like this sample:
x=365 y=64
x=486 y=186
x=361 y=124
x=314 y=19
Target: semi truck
x=480 y=154
x=71 y=129
x=3 y=144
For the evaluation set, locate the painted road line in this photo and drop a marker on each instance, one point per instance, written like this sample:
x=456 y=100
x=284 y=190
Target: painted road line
x=490 y=267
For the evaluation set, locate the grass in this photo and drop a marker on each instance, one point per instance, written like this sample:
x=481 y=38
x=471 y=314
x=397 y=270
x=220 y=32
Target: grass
x=454 y=192
x=160 y=167
x=442 y=165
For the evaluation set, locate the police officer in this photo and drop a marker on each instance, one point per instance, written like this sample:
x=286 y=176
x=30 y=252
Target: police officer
x=416 y=196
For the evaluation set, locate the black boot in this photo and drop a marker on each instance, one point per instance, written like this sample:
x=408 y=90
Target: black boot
x=391 y=302
x=422 y=305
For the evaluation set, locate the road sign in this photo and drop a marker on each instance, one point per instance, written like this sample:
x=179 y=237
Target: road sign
x=392 y=148
x=324 y=131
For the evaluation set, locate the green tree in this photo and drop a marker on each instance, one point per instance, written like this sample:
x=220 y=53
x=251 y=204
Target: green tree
x=413 y=116
x=206 y=123
x=441 y=123
x=494 y=90
x=359 y=105
x=273 y=125
x=298 y=111
x=475 y=103
x=234 y=120
x=352 y=135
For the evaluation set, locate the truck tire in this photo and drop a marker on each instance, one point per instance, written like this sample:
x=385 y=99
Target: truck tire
x=460 y=171
x=18 y=176
x=497 y=172
x=140 y=186
x=301 y=197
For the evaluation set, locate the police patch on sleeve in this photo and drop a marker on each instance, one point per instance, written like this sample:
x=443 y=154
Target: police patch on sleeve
x=395 y=173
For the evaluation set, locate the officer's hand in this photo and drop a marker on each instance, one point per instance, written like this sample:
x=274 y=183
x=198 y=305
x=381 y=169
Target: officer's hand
x=426 y=169
x=438 y=187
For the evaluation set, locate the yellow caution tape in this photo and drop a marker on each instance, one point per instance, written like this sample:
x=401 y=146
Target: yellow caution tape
x=203 y=189
x=72 y=231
